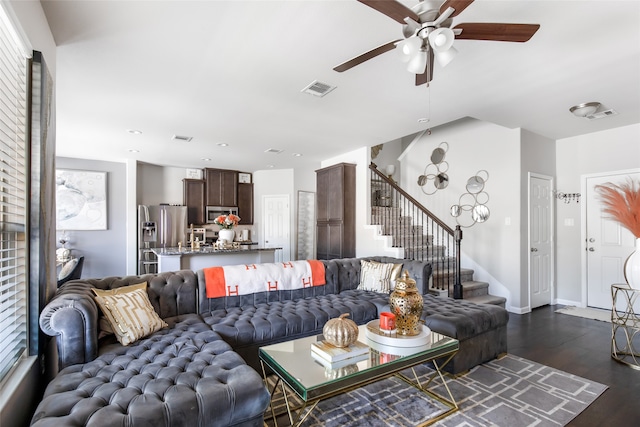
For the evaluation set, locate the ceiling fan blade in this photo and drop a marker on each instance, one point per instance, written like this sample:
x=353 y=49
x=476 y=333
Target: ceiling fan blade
x=366 y=56
x=427 y=76
x=496 y=32
x=458 y=5
x=393 y=9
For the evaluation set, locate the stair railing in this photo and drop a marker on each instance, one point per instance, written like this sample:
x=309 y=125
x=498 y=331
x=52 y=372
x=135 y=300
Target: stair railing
x=421 y=234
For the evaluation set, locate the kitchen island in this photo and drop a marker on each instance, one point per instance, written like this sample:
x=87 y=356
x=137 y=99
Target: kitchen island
x=174 y=259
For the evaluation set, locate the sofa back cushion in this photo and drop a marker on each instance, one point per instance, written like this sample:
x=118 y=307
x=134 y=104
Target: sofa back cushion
x=171 y=293
x=340 y=274
x=344 y=273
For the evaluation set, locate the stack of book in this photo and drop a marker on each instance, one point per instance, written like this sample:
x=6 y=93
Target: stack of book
x=331 y=356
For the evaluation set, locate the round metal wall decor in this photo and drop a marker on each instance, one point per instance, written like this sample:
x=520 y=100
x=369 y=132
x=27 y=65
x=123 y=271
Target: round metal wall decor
x=435 y=171
x=472 y=205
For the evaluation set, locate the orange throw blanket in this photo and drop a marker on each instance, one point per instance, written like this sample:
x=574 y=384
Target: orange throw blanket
x=236 y=280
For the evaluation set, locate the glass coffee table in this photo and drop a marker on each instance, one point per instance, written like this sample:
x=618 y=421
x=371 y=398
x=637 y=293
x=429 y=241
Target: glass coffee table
x=296 y=367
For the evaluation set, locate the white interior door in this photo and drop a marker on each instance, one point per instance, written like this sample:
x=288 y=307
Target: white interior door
x=276 y=230
x=608 y=243
x=540 y=240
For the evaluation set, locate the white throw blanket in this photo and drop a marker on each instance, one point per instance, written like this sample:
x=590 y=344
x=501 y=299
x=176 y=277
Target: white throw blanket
x=236 y=280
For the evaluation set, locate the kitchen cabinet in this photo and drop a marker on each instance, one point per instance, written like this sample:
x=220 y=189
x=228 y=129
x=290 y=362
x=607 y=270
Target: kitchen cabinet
x=245 y=203
x=221 y=187
x=193 y=194
x=336 y=211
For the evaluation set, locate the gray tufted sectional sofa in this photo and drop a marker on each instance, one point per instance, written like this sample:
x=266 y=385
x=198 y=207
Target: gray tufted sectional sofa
x=203 y=369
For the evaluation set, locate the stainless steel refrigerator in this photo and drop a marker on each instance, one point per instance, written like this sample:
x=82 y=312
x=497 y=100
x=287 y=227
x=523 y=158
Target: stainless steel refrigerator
x=159 y=226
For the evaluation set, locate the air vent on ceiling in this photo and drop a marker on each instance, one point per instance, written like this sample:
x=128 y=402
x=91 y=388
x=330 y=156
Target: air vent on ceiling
x=273 y=150
x=181 y=138
x=317 y=88
x=601 y=114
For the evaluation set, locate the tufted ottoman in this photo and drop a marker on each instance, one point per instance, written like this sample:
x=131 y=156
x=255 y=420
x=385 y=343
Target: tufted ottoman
x=481 y=329
x=249 y=327
x=184 y=375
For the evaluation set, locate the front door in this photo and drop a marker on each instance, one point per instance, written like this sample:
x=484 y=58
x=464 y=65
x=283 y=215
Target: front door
x=277 y=225
x=540 y=240
x=608 y=244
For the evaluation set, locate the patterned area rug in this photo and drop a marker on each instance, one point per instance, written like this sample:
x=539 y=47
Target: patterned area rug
x=509 y=392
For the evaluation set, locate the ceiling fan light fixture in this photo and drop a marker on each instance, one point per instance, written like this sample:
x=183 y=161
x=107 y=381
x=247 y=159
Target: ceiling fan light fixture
x=445 y=57
x=441 y=39
x=408 y=48
x=418 y=63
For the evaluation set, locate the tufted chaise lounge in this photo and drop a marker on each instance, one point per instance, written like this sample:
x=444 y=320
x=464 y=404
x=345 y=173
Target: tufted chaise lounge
x=198 y=371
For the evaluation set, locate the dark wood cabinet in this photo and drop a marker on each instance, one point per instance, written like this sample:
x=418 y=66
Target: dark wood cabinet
x=193 y=199
x=336 y=211
x=245 y=203
x=221 y=187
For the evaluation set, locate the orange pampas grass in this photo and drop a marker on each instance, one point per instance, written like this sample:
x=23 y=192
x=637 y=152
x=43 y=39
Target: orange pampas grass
x=622 y=202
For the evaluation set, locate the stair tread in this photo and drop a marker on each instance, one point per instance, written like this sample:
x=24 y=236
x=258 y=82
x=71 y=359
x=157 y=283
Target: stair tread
x=474 y=284
x=488 y=299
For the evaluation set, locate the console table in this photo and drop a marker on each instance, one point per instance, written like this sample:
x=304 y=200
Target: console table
x=625 y=325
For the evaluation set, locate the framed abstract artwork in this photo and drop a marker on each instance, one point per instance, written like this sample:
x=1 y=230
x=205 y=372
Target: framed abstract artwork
x=81 y=200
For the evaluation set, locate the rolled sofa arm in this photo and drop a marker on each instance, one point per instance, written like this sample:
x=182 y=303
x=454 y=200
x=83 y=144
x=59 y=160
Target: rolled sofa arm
x=72 y=318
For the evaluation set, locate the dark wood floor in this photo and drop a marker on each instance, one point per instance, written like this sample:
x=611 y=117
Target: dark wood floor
x=581 y=347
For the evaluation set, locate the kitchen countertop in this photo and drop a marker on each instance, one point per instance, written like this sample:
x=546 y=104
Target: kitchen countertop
x=208 y=250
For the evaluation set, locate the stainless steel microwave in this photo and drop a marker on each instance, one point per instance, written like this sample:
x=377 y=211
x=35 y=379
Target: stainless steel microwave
x=213 y=212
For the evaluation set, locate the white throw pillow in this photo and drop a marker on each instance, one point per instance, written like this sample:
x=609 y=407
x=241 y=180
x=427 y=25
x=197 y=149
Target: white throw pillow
x=377 y=276
x=129 y=312
x=67 y=268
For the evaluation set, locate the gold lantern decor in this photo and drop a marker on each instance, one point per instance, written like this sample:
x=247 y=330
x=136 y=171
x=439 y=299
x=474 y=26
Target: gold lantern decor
x=406 y=303
x=340 y=331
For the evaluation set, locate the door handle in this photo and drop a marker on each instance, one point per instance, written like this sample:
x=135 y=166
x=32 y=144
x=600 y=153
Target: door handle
x=592 y=250
x=534 y=249
x=592 y=240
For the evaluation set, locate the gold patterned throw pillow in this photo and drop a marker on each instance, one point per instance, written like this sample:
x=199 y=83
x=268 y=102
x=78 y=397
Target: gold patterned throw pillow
x=378 y=276
x=129 y=312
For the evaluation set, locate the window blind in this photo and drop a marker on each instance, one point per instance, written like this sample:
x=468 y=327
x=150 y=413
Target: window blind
x=13 y=197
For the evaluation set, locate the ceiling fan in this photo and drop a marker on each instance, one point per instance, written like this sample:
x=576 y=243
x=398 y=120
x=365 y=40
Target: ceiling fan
x=428 y=34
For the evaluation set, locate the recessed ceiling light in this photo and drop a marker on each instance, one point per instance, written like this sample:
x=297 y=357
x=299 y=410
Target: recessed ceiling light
x=423 y=120
x=273 y=150
x=135 y=131
x=297 y=155
x=206 y=159
x=133 y=150
x=223 y=144
x=270 y=166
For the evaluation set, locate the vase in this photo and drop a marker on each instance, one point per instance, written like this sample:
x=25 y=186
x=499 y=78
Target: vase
x=226 y=234
x=632 y=267
x=406 y=303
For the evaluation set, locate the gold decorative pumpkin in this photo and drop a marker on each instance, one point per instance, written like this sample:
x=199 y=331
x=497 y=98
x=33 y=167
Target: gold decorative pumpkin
x=406 y=303
x=340 y=331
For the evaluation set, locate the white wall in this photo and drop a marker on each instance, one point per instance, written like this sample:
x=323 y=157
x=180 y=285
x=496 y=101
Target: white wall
x=160 y=184
x=598 y=152
x=492 y=248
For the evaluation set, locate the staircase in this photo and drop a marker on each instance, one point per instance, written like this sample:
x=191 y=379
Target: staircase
x=416 y=232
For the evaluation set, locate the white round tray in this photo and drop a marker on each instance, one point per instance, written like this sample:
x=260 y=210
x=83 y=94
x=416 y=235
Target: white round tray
x=374 y=334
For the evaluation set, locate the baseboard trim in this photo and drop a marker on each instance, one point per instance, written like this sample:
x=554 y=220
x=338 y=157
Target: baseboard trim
x=519 y=310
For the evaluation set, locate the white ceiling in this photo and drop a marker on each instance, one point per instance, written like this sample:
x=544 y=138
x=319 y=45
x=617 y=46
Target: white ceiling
x=232 y=72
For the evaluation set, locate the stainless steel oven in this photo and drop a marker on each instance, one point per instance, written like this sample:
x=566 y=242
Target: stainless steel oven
x=213 y=212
